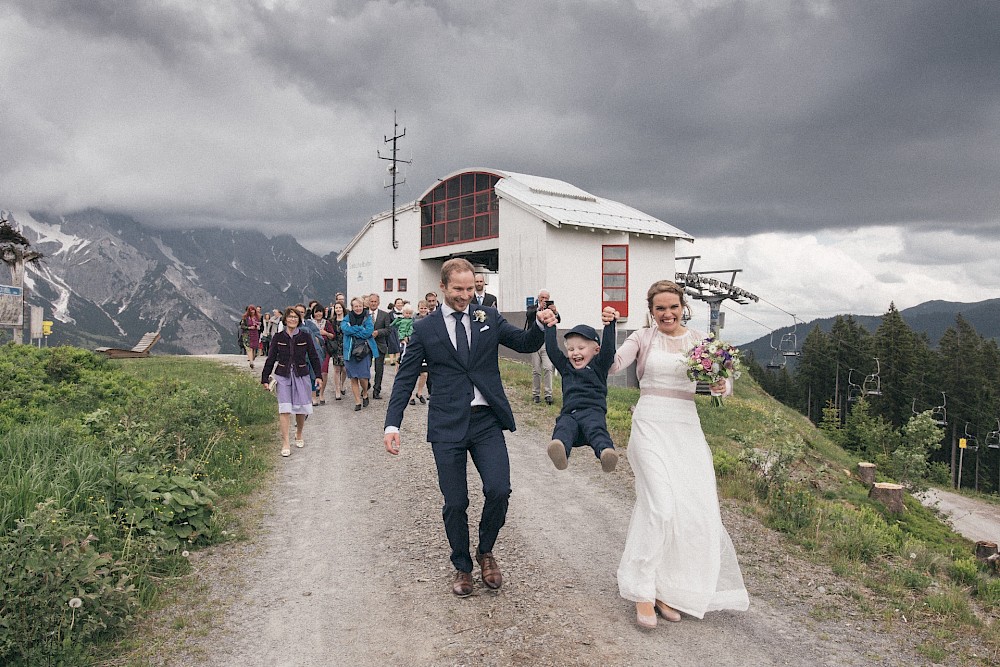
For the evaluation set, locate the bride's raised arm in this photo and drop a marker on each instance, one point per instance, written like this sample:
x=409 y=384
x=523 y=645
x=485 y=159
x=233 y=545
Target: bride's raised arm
x=626 y=354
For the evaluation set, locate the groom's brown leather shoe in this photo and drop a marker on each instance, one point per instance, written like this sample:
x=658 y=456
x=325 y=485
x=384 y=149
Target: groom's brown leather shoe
x=462 y=585
x=490 y=570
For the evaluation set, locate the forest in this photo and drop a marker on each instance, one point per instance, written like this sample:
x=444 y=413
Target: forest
x=867 y=389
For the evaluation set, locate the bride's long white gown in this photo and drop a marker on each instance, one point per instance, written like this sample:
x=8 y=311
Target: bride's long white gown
x=677 y=549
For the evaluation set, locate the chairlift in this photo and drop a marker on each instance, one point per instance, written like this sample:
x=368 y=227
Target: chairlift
x=853 y=389
x=940 y=413
x=873 y=383
x=777 y=360
x=788 y=346
x=970 y=440
x=993 y=437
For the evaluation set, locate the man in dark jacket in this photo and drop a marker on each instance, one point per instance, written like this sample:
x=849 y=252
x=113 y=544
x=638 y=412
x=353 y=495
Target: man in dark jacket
x=382 y=321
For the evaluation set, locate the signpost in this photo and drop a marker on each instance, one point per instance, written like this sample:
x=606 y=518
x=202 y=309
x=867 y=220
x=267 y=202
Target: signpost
x=11 y=306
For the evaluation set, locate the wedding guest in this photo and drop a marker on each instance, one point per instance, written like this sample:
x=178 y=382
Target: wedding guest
x=541 y=367
x=482 y=297
x=678 y=556
x=432 y=301
x=359 y=348
x=266 y=331
x=250 y=333
x=392 y=340
x=468 y=414
x=403 y=326
x=381 y=332
x=583 y=419
x=290 y=355
x=418 y=393
x=337 y=355
x=324 y=344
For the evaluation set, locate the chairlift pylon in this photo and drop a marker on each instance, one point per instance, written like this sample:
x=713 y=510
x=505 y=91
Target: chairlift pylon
x=873 y=383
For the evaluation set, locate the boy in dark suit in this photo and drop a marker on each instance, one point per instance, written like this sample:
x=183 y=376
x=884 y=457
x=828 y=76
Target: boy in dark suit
x=468 y=414
x=583 y=419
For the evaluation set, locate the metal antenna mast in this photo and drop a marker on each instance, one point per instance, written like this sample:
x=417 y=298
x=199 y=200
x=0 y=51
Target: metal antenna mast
x=712 y=291
x=393 y=169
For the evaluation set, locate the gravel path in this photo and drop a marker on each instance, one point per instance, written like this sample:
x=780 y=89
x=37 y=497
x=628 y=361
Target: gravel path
x=351 y=568
x=975 y=519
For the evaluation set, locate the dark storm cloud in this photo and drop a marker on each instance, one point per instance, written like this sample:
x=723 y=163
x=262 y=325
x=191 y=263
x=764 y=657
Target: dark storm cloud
x=722 y=118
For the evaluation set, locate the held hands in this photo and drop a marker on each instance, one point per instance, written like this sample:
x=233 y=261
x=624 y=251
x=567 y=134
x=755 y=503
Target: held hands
x=546 y=317
x=392 y=443
x=609 y=314
x=719 y=387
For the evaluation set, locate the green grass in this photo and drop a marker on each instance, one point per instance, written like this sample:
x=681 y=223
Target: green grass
x=98 y=442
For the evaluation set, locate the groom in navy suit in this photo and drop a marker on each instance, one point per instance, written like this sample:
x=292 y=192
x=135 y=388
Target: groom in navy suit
x=468 y=411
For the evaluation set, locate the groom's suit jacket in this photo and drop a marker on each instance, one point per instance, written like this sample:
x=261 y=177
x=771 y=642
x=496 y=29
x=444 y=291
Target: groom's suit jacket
x=448 y=412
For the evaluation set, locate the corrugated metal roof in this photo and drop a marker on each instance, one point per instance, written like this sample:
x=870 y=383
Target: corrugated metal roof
x=560 y=203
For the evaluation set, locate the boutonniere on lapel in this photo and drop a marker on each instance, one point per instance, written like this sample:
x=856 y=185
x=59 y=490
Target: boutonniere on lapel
x=479 y=316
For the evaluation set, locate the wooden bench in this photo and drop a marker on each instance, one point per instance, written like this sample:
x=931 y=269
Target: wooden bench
x=140 y=350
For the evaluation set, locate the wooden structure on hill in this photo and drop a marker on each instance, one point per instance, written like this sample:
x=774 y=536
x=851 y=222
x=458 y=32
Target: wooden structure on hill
x=141 y=348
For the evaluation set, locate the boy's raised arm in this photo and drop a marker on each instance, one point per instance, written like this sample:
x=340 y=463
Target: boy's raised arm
x=556 y=355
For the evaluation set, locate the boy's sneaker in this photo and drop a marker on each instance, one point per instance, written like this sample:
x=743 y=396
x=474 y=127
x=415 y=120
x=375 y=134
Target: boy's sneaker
x=609 y=459
x=557 y=452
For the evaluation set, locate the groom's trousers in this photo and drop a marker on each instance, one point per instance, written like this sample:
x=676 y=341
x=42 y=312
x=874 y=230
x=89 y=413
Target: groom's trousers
x=484 y=442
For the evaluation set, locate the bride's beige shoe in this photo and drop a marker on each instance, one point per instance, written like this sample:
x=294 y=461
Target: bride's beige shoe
x=645 y=615
x=667 y=612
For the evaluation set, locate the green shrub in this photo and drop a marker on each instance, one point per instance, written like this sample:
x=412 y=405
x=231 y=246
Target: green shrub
x=174 y=510
x=861 y=534
x=725 y=463
x=964 y=571
x=939 y=473
x=56 y=590
x=988 y=592
x=791 y=509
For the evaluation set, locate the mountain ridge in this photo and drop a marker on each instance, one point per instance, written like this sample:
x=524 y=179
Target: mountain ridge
x=106 y=279
x=931 y=318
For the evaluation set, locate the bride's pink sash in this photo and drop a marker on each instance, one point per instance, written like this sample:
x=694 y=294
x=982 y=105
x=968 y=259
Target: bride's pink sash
x=668 y=393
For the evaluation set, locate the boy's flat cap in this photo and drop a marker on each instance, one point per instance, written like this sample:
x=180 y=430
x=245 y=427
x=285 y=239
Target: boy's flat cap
x=587 y=332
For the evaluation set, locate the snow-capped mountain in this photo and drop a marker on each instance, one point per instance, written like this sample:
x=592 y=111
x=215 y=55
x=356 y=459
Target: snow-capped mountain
x=106 y=280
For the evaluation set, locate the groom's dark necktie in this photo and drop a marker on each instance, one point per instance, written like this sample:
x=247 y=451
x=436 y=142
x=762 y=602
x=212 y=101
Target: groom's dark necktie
x=461 y=338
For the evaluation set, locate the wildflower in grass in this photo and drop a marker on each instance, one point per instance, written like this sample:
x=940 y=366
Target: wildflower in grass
x=75 y=603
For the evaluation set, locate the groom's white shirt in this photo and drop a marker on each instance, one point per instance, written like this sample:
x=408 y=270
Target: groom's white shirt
x=449 y=323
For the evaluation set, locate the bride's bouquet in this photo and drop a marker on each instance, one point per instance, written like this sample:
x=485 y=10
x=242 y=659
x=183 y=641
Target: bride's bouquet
x=712 y=360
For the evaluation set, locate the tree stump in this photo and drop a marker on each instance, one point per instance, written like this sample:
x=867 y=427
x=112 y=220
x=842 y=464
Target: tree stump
x=890 y=495
x=985 y=549
x=866 y=473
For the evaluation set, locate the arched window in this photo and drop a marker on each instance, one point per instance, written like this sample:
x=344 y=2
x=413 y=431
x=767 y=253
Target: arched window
x=461 y=209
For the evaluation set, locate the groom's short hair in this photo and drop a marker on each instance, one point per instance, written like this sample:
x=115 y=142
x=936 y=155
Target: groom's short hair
x=455 y=265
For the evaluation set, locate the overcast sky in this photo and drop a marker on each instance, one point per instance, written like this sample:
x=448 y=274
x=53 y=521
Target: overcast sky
x=844 y=154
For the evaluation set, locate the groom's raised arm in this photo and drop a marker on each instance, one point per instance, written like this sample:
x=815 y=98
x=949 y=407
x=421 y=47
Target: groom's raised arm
x=531 y=338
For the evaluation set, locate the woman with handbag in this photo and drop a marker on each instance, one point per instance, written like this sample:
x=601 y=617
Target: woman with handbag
x=290 y=356
x=359 y=350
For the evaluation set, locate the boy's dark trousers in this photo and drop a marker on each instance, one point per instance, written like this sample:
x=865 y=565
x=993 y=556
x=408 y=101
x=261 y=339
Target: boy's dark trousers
x=584 y=426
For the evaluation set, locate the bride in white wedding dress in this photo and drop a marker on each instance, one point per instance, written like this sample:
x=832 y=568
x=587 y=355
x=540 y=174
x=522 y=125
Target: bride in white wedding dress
x=678 y=556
